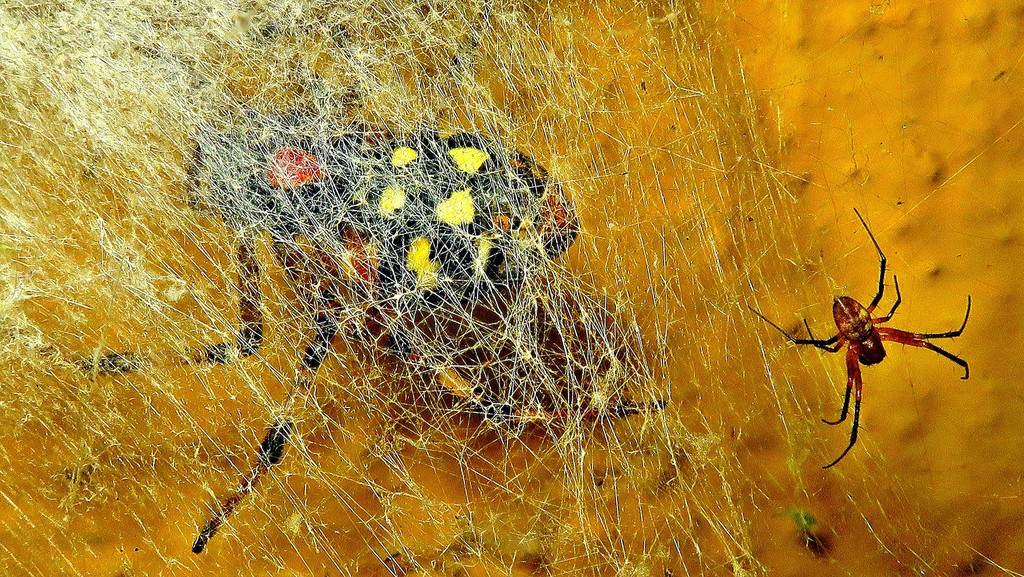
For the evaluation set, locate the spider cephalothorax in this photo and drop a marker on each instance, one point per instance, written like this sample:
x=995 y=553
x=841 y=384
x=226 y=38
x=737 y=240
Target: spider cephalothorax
x=857 y=327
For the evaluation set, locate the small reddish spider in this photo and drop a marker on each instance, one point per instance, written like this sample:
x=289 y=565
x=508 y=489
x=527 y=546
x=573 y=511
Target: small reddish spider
x=859 y=330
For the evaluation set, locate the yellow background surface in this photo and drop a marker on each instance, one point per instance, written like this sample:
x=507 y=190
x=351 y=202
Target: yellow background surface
x=715 y=154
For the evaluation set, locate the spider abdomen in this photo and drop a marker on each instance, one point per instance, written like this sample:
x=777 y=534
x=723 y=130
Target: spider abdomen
x=870 y=350
x=446 y=216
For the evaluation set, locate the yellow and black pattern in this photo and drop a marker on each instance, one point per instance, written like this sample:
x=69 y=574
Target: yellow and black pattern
x=446 y=216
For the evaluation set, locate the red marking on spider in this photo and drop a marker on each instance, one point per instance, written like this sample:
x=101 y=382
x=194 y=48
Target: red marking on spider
x=293 y=167
x=860 y=333
x=557 y=215
x=502 y=222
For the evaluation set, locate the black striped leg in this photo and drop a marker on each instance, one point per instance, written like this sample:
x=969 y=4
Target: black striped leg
x=270 y=453
x=854 y=383
x=895 y=305
x=829 y=344
x=111 y=364
x=881 y=265
x=272 y=448
x=250 y=334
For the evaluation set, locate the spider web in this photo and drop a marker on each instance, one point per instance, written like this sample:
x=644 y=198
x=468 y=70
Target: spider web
x=638 y=111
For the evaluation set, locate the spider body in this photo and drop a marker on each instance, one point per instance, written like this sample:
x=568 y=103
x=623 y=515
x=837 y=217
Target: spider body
x=424 y=237
x=402 y=228
x=862 y=335
x=855 y=326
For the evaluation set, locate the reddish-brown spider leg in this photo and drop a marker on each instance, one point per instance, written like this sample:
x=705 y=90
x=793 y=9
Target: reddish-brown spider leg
x=849 y=388
x=854 y=384
x=272 y=448
x=921 y=340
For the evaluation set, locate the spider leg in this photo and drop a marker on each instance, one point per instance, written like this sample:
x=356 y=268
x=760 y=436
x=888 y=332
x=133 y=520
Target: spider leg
x=270 y=453
x=838 y=340
x=853 y=381
x=821 y=344
x=250 y=334
x=918 y=340
x=110 y=364
x=895 y=305
x=846 y=406
x=272 y=448
x=834 y=348
x=881 y=264
x=627 y=408
x=326 y=322
x=951 y=334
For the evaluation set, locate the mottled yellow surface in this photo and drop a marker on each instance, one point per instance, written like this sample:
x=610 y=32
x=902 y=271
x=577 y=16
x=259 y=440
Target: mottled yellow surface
x=715 y=155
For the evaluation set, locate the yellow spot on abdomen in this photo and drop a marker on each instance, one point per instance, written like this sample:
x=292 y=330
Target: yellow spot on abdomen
x=391 y=201
x=458 y=209
x=403 y=155
x=468 y=159
x=484 y=247
x=418 y=261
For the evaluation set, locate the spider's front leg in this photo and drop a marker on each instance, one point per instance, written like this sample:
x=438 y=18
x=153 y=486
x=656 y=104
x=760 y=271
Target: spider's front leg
x=272 y=447
x=830 y=345
x=855 y=384
x=881 y=267
x=250 y=334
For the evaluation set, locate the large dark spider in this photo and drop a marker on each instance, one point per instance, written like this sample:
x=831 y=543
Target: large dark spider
x=859 y=331
x=410 y=230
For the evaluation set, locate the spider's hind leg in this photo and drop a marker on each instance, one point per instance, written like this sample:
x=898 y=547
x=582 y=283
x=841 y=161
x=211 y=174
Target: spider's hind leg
x=919 y=340
x=853 y=382
x=846 y=407
x=270 y=453
x=272 y=447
